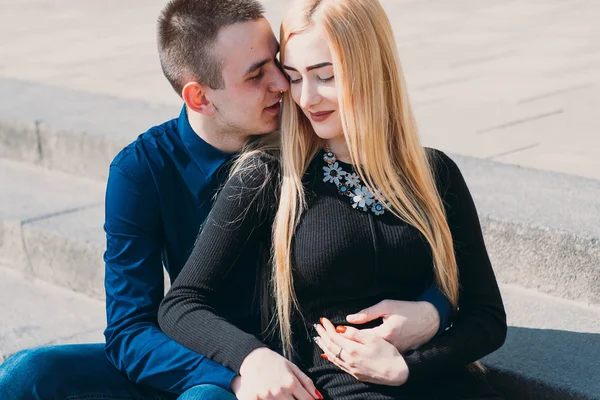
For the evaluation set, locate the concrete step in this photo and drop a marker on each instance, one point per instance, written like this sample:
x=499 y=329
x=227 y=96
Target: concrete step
x=542 y=229
x=69 y=130
x=51 y=226
x=552 y=348
x=35 y=313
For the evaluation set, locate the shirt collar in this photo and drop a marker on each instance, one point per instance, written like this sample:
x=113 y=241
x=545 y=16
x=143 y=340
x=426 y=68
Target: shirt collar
x=208 y=158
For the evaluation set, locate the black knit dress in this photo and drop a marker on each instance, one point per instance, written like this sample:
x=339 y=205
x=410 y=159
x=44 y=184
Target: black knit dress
x=344 y=260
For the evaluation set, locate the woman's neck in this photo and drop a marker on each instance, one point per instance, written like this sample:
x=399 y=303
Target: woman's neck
x=340 y=149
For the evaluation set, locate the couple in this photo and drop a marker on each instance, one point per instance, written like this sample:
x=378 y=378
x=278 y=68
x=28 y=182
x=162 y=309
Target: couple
x=342 y=211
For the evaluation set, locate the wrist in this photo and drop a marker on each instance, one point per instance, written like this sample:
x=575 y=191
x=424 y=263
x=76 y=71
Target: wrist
x=235 y=384
x=254 y=357
x=431 y=319
x=400 y=372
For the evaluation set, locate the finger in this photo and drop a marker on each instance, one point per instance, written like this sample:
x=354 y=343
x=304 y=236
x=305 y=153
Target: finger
x=329 y=355
x=361 y=336
x=340 y=363
x=337 y=338
x=325 y=343
x=306 y=384
x=369 y=314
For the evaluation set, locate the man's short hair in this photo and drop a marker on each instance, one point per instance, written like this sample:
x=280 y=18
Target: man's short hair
x=187 y=31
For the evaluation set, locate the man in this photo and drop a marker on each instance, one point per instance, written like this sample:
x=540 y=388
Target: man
x=220 y=56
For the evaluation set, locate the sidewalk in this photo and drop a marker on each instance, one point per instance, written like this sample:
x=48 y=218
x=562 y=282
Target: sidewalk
x=514 y=81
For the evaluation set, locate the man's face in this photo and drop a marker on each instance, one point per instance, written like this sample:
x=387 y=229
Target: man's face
x=249 y=103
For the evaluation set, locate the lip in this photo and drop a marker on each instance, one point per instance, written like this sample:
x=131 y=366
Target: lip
x=320 y=116
x=274 y=109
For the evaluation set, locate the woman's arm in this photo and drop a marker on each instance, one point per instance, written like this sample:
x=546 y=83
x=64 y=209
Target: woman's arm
x=479 y=326
x=193 y=312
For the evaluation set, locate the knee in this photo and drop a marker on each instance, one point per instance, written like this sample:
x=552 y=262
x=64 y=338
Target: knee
x=207 y=392
x=28 y=374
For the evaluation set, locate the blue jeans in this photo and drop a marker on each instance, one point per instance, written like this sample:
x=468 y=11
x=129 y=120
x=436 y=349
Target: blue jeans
x=82 y=371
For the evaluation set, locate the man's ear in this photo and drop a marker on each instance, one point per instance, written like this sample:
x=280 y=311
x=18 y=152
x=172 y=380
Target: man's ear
x=194 y=96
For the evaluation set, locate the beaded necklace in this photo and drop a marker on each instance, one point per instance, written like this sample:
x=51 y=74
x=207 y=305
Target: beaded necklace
x=349 y=185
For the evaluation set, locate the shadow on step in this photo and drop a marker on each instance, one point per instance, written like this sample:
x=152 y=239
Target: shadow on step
x=536 y=364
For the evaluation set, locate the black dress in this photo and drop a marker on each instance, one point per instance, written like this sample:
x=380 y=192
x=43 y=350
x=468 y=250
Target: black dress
x=343 y=260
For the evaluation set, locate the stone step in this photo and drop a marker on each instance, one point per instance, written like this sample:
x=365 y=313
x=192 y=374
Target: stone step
x=51 y=226
x=68 y=130
x=551 y=350
x=36 y=313
x=542 y=229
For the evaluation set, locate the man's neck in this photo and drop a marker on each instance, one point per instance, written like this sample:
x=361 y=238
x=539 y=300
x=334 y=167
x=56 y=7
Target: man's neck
x=227 y=142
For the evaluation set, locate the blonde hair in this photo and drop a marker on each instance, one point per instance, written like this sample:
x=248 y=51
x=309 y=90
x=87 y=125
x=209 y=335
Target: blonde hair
x=380 y=133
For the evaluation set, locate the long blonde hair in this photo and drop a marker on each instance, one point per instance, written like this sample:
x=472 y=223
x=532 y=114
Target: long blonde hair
x=380 y=133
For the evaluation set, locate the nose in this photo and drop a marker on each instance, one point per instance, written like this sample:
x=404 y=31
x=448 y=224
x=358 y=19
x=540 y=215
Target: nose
x=279 y=83
x=309 y=95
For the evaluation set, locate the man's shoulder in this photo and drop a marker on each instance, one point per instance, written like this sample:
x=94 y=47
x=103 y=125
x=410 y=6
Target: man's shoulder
x=147 y=152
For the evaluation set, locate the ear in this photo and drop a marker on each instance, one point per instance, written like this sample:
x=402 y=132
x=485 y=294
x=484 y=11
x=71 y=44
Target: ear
x=194 y=96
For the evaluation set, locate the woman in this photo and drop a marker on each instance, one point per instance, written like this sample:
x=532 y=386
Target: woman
x=355 y=212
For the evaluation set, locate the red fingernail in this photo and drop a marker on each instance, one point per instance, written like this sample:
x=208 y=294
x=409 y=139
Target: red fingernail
x=324 y=356
x=319 y=395
x=340 y=329
x=321 y=320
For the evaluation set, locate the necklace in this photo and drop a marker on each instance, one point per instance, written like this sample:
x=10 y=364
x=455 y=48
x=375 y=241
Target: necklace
x=349 y=185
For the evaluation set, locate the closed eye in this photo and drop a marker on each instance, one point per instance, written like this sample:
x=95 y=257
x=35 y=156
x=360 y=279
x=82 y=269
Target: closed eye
x=257 y=76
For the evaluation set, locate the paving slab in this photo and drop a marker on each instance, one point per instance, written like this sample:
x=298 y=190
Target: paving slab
x=470 y=67
x=35 y=313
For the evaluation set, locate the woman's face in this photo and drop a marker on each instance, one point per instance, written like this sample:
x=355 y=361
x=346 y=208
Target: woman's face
x=308 y=63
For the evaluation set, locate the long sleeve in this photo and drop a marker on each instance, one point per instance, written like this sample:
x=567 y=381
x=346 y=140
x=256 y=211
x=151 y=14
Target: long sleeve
x=479 y=326
x=441 y=303
x=135 y=345
x=212 y=288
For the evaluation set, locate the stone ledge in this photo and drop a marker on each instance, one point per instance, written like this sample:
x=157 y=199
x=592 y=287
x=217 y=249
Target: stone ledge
x=68 y=130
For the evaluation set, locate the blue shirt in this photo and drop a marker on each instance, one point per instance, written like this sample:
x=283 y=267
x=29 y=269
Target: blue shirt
x=160 y=190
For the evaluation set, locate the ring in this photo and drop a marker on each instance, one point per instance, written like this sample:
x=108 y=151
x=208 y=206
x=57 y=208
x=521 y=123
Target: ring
x=338 y=353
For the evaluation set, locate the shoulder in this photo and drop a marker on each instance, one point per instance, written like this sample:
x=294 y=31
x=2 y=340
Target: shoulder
x=256 y=169
x=137 y=160
x=443 y=168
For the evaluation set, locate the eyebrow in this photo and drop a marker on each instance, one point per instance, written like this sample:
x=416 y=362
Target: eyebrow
x=310 y=68
x=260 y=63
x=257 y=65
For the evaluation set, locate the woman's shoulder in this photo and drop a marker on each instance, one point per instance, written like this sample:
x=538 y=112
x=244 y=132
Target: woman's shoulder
x=443 y=168
x=256 y=167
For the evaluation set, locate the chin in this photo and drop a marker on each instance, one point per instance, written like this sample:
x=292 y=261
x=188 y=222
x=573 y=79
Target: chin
x=326 y=135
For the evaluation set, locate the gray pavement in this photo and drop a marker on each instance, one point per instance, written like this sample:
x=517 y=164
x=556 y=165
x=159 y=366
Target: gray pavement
x=512 y=81
x=35 y=313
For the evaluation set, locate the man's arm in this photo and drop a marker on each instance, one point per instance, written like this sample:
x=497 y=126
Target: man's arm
x=134 y=289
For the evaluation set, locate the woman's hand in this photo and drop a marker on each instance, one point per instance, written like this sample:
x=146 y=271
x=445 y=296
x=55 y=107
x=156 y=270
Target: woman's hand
x=406 y=324
x=362 y=354
x=266 y=375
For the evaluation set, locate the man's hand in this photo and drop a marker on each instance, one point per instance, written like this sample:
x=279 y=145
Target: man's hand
x=266 y=375
x=406 y=324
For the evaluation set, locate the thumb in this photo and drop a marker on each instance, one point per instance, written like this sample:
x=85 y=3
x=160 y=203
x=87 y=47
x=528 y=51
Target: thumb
x=368 y=314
